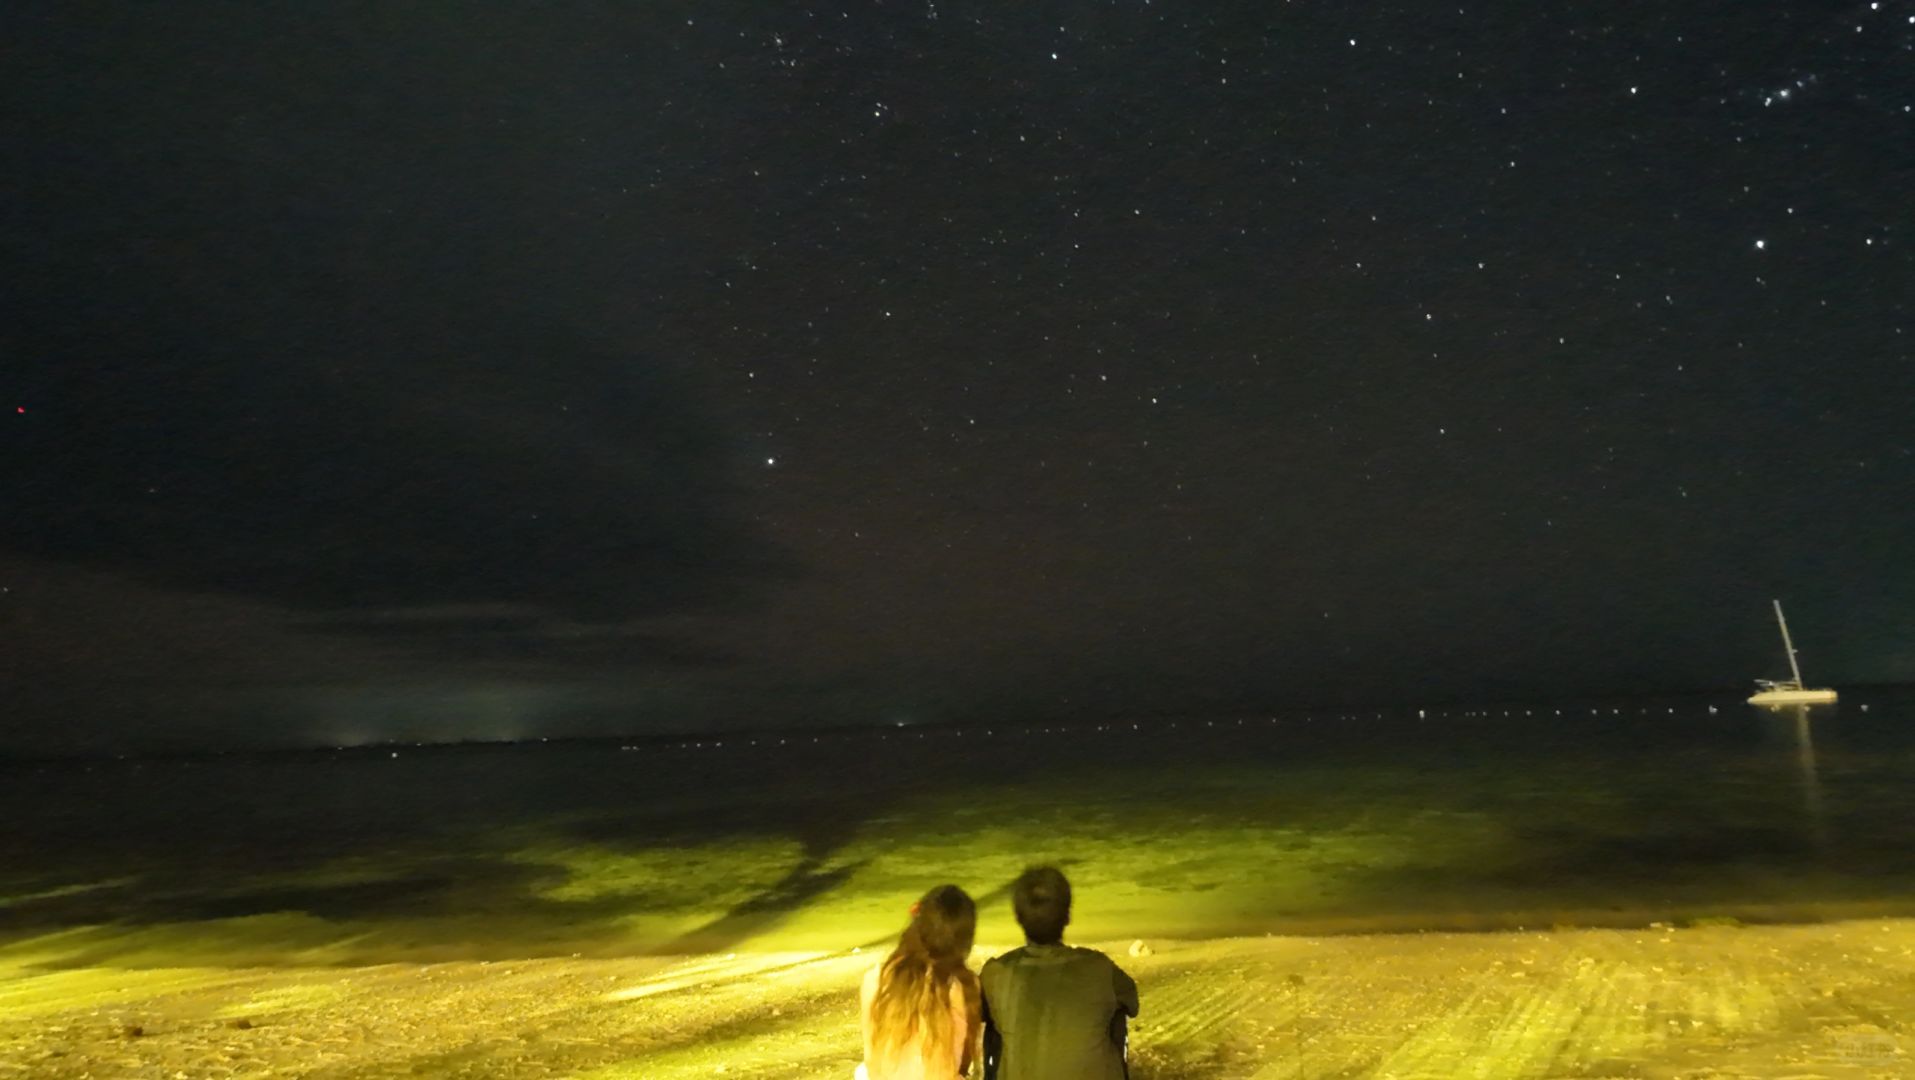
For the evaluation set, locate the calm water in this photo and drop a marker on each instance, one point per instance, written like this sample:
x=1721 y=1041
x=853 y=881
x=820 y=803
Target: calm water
x=1224 y=824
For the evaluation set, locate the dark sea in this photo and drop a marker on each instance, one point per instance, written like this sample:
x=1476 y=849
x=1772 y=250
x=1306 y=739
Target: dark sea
x=1694 y=808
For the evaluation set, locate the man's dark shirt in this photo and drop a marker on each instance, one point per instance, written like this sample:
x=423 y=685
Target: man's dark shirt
x=1053 y=1007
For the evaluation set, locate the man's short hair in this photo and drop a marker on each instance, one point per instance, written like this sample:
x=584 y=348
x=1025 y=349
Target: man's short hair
x=1042 y=900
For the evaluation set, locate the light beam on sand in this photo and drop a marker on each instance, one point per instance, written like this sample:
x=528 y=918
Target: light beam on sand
x=794 y=967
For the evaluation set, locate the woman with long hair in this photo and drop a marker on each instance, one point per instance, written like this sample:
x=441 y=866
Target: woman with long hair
x=921 y=1011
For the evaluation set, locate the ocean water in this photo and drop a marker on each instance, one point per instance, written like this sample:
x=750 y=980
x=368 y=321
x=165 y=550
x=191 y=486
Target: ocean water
x=1477 y=816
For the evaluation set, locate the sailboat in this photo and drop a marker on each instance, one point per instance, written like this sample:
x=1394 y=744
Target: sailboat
x=1791 y=692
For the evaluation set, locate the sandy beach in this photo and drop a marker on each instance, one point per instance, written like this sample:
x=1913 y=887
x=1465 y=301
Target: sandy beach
x=1805 y=1001
x=1689 y=897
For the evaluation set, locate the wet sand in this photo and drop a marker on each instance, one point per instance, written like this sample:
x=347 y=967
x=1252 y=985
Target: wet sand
x=1828 y=1000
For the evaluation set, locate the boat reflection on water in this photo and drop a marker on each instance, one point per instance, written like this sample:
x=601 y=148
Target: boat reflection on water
x=1811 y=781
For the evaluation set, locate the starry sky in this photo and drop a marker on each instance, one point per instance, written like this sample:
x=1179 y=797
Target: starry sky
x=444 y=372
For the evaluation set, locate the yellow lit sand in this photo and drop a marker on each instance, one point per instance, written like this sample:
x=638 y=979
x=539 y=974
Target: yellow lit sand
x=599 y=948
x=1829 y=1000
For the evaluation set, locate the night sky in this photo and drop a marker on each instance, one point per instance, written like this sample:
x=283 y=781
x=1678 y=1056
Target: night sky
x=439 y=371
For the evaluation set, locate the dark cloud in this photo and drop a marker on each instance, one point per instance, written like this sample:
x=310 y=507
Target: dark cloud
x=488 y=466
x=276 y=332
x=532 y=636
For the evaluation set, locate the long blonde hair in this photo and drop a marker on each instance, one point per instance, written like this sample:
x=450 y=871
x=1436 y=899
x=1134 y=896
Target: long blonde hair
x=914 y=983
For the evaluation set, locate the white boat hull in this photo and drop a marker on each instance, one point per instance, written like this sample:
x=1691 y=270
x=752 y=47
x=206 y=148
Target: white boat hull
x=1793 y=697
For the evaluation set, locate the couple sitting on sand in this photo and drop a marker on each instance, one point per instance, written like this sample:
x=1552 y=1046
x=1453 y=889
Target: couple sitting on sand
x=1047 y=1011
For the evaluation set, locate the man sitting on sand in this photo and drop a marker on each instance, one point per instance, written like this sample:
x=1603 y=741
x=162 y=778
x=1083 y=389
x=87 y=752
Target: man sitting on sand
x=1053 y=1011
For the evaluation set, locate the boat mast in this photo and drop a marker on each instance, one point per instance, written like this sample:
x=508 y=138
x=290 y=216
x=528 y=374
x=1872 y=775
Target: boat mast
x=1787 y=645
